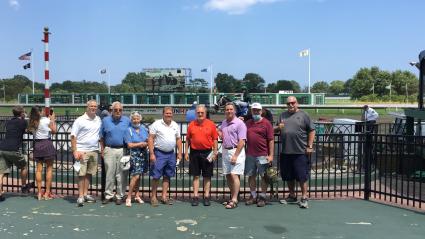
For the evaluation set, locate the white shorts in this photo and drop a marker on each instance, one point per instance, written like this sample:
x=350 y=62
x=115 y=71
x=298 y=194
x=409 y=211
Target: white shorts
x=237 y=168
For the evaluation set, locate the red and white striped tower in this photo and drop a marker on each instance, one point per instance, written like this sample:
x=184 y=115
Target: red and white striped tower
x=46 y=71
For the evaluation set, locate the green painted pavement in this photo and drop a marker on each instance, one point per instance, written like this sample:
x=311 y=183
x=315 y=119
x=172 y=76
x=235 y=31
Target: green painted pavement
x=24 y=217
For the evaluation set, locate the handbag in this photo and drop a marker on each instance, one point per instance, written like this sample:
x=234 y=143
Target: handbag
x=125 y=159
x=125 y=162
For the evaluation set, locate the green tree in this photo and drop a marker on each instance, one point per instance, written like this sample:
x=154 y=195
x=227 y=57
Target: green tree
x=254 y=83
x=361 y=84
x=320 y=87
x=403 y=81
x=16 y=85
x=284 y=85
x=336 y=87
x=136 y=82
x=227 y=83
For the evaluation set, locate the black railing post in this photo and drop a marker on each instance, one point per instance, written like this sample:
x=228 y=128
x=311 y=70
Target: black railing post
x=368 y=155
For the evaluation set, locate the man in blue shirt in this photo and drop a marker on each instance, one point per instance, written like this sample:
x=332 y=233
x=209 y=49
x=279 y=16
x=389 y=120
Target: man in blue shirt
x=112 y=149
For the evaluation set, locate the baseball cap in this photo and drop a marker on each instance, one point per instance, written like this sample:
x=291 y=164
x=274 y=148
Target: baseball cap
x=256 y=106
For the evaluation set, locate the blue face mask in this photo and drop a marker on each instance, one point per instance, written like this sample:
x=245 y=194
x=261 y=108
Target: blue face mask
x=136 y=126
x=256 y=117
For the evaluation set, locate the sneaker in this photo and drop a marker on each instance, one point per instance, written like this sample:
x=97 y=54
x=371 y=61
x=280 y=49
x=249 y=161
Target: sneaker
x=289 y=200
x=118 y=201
x=207 y=202
x=80 y=201
x=89 y=198
x=261 y=202
x=303 y=203
x=195 y=201
x=2 y=198
x=251 y=200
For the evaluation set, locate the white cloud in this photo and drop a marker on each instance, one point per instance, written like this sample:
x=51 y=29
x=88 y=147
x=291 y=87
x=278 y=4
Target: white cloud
x=14 y=4
x=234 y=7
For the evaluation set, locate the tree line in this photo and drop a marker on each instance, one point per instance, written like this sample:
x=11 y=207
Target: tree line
x=368 y=84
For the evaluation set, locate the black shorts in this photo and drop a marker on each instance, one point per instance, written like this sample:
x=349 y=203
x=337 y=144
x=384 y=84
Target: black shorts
x=198 y=163
x=294 y=167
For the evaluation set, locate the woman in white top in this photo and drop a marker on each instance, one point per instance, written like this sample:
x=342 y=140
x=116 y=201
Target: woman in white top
x=42 y=126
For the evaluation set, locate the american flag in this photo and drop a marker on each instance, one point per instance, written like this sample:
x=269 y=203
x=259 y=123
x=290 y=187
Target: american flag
x=25 y=57
x=27 y=66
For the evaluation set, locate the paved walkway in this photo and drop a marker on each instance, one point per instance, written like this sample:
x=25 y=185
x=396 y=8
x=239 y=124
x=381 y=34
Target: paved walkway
x=25 y=217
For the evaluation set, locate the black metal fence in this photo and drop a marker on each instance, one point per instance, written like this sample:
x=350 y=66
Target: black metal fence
x=348 y=161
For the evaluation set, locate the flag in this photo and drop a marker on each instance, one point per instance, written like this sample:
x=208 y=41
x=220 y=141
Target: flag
x=27 y=66
x=388 y=86
x=204 y=70
x=304 y=53
x=25 y=57
x=103 y=71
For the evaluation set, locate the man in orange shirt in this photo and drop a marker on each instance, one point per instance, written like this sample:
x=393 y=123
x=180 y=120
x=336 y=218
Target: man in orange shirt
x=202 y=138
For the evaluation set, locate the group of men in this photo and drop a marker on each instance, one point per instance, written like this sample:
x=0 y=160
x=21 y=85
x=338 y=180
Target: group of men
x=257 y=134
x=89 y=132
x=91 y=135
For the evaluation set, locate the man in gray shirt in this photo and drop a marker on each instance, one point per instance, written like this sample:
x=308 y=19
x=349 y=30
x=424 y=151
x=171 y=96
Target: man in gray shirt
x=297 y=136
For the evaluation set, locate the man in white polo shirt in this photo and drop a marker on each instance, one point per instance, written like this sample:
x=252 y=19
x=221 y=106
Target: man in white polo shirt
x=85 y=147
x=164 y=135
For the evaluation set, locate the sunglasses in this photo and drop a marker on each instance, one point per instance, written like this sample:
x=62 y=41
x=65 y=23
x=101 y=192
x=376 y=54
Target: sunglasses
x=291 y=103
x=200 y=113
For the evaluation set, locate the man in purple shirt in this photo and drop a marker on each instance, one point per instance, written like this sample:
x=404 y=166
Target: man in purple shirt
x=233 y=133
x=260 y=148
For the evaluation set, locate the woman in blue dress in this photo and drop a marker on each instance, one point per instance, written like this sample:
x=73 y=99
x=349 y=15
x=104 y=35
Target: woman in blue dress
x=136 y=138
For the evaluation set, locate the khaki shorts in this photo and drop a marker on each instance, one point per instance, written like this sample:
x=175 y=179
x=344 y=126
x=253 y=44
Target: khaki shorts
x=9 y=158
x=88 y=163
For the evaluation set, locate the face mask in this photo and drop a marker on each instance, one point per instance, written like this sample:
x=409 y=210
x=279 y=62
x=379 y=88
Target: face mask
x=135 y=125
x=256 y=117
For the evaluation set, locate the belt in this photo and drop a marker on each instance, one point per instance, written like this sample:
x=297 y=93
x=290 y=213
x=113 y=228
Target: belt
x=165 y=152
x=230 y=148
x=115 y=147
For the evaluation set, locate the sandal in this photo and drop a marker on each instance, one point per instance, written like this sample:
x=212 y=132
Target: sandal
x=139 y=200
x=231 y=205
x=48 y=196
x=154 y=202
x=128 y=202
x=167 y=201
x=40 y=196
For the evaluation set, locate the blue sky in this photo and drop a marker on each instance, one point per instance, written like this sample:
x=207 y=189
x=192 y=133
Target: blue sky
x=235 y=36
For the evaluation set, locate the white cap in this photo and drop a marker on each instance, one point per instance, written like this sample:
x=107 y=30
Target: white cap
x=256 y=106
x=195 y=103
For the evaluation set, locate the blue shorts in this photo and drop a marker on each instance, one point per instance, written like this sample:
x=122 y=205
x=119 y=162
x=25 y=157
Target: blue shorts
x=164 y=165
x=294 y=167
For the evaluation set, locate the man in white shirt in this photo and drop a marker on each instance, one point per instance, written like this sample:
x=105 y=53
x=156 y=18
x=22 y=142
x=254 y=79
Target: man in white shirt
x=85 y=148
x=164 y=135
x=370 y=116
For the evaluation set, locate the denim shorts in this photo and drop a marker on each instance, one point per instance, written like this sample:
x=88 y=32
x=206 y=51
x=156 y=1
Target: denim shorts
x=255 y=165
x=164 y=165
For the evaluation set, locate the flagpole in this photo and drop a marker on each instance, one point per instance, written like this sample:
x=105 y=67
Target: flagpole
x=309 y=81
x=32 y=71
x=407 y=94
x=211 y=84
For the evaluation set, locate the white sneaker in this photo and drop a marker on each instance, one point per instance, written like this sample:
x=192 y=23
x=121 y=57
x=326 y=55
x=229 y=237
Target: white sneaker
x=80 y=201
x=89 y=198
